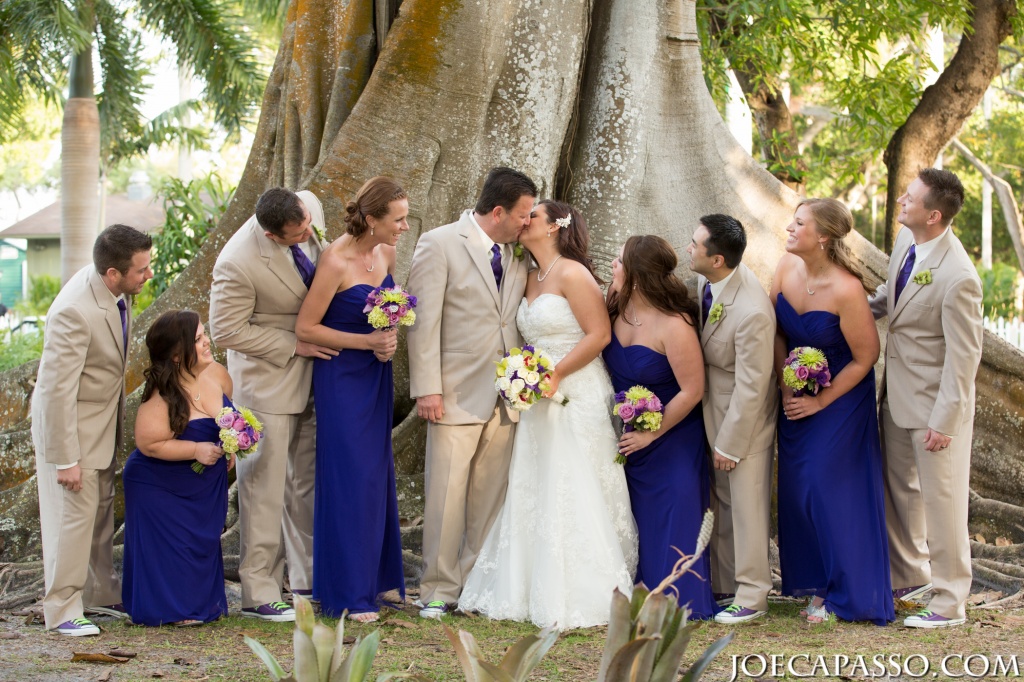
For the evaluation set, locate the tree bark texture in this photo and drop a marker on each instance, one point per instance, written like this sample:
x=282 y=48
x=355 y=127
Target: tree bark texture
x=947 y=103
x=79 y=182
x=602 y=102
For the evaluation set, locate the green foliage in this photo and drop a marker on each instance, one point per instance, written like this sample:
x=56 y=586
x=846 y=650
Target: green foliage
x=1000 y=291
x=26 y=162
x=41 y=292
x=144 y=298
x=193 y=209
x=19 y=349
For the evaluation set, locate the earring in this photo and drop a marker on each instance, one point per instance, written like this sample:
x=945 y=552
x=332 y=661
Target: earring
x=371 y=230
x=822 y=245
x=634 y=286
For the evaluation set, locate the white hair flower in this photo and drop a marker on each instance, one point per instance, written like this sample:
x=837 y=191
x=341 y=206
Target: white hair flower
x=563 y=222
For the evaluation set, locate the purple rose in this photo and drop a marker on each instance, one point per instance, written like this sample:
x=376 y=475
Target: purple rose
x=626 y=412
x=239 y=424
x=641 y=405
x=802 y=373
x=412 y=301
x=244 y=441
x=654 y=402
x=226 y=420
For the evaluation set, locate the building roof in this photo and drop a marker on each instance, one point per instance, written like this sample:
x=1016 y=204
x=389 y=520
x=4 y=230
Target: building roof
x=146 y=215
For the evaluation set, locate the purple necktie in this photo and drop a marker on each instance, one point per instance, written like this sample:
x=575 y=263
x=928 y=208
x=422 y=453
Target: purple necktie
x=124 y=322
x=303 y=265
x=706 y=307
x=496 y=264
x=904 y=276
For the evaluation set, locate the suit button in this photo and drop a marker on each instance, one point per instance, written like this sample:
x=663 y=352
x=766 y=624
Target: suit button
x=504 y=324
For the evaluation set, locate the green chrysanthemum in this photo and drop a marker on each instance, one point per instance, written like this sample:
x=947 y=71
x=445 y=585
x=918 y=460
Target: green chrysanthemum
x=790 y=379
x=812 y=357
x=250 y=418
x=377 y=318
x=637 y=392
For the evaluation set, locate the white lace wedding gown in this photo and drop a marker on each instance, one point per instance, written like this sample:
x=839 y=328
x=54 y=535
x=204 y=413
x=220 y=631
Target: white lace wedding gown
x=565 y=538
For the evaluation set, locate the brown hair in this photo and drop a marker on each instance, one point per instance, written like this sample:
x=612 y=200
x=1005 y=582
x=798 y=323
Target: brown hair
x=277 y=208
x=116 y=246
x=648 y=264
x=373 y=199
x=833 y=220
x=945 y=192
x=173 y=333
x=573 y=240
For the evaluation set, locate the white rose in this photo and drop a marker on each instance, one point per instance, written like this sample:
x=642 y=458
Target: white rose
x=503 y=384
x=532 y=378
x=510 y=372
x=515 y=361
x=517 y=386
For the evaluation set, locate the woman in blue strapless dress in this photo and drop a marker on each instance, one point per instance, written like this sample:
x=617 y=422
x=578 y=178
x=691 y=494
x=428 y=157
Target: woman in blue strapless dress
x=655 y=344
x=174 y=517
x=832 y=538
x=357 y=544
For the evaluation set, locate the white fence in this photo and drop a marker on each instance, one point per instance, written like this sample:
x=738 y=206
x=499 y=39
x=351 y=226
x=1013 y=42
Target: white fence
x=1011 y=331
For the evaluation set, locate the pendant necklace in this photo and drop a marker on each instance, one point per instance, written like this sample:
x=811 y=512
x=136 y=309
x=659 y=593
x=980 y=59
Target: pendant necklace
x=548 y=271
x=372 y=264
x=635 y=322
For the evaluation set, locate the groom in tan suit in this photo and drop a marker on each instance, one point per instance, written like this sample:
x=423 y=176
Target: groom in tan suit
x=259 y=282
x=77 y=416
x=740 y=411
x=933 y=300
x=469 y=285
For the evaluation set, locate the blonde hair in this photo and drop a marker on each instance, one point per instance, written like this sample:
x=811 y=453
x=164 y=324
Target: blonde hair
x=833 y=220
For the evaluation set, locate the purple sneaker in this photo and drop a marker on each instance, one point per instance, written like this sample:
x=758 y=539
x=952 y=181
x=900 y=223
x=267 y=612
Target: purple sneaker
x=927 y=619
x=435 y=610
x=735 y=614
x=277 y=611
x=115 y=610
x=77 y=627
x=910 y=593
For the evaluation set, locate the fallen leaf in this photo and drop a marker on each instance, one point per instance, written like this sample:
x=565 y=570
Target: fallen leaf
x=990 y=624
x=9 y=635
x=983 y=597
x=104 y=677
x=184 y=661
x=2 y=619
x=1002 y=542
x=979 y=538
x=157 y=673
x=250 y=633
x=120 y=653
x=349 y=639
x=401 y=623
x=96 y=658
x=773 y=634
x=387 y=640
x=31 y=618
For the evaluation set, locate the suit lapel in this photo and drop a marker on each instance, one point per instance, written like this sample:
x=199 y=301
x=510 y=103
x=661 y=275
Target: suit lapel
x=278 y=263
x=106 y=302
x=477 y=252
x=726 y=298
x=913 y=288
x=514 y=272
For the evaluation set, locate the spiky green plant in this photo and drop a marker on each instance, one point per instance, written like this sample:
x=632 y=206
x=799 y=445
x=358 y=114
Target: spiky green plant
x=320 y=652
x=648 y=634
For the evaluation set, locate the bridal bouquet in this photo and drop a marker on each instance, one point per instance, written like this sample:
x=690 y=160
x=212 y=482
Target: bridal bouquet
x=523 y=375
x=640 y=410
x=388 y=308
x=806 y=371
x=240 y=431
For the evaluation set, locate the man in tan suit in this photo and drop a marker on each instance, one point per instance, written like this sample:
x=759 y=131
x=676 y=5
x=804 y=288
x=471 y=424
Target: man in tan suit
x=77 y=416
x=469 y=285
x=259 y=282
x=740 y=412
x=933 y=300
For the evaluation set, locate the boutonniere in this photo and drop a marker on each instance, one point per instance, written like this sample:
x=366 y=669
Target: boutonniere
x=518 y=251
x=716 y=313
x=320 y=235
x=923 y=277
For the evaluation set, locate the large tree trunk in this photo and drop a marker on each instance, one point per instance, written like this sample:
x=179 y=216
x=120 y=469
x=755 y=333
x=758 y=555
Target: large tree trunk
x=79 y=169
x=947 y=103
x=603 y=104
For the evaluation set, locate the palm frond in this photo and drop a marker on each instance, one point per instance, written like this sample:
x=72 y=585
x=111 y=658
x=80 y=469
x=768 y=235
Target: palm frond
x=164 y=129
x=120 y=53
x=213 y=41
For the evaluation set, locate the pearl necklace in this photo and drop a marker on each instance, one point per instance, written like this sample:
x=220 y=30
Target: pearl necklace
x=548 y=271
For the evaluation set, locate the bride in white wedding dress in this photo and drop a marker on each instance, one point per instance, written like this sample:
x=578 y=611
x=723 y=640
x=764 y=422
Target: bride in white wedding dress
x=565 y=538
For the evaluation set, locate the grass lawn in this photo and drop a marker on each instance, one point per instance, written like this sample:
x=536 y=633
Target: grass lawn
x=217 y=652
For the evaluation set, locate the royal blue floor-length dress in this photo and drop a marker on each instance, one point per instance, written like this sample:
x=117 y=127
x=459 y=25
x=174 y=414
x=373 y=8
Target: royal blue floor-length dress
x=669 y=481
x=357 y=544
x=174 y=517
x=832 y=540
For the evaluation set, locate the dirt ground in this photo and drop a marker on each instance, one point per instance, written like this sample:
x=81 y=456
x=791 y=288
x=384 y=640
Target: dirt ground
x=217 y=652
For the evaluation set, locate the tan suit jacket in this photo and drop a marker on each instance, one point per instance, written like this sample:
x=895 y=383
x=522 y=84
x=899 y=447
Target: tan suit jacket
x=464 y=324
x=79 y=400
x=740 y=400
x=255 y=298
x=933 y=348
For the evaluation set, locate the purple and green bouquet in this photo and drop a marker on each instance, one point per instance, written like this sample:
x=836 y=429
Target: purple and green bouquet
x=640 y=410
x=806 y=371
x=390 y=307
x=240 y=431
x=523 y=375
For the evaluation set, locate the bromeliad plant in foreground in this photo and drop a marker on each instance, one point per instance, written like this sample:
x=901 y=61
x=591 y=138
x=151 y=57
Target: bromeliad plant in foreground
x=647 y=638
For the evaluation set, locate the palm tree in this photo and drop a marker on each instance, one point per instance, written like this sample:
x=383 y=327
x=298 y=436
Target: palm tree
x=49 y=45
